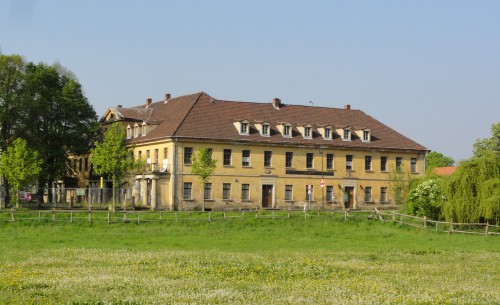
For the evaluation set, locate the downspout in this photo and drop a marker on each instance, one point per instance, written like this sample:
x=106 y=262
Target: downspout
x=174 y=177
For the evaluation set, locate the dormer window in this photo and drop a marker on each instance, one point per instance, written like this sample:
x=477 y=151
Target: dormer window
x=129 y=132
x=243 y=127
x=144 y=129
x=265 y=129
x=366 y=136
x=137 y=131
x=346 y=136
x=287 y=131
x=326 y=132
x=308 y=132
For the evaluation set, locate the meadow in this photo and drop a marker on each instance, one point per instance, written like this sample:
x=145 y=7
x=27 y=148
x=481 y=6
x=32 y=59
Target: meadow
x=251 y=261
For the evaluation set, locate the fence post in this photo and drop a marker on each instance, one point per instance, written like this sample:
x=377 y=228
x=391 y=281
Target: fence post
x=487 y=225
x=425 y=222
x=124 y=217
x=305 y=214
x=451 y=227
x=273 y=214
x=393 y=216
x=209 y=215
x=255 y=214
x=71 y=217
x=90 y=217
x=108 y=216
x=161 y=219
x=224 y=215
x=138 y=218
x=39 y=216
x=176 y=220
x=53 y=215
x=12 y=215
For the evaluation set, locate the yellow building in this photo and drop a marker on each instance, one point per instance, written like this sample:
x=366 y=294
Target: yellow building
x=269 y=155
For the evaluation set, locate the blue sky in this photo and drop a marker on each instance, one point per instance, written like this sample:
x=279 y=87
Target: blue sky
x=428 y=69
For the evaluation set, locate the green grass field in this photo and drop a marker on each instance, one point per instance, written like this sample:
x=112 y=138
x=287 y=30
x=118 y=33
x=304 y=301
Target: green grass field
x=251 y=261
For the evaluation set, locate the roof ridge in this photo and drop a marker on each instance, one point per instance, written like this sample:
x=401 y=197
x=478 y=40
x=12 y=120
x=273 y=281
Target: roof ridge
x=187 y=114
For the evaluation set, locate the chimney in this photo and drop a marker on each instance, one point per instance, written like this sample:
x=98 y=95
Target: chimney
x=167 y=98
x=276 y=103
x=119 y=106
x=347 y=107
x=148 y=102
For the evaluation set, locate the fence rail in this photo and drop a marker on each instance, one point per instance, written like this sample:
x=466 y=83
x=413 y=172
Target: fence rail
x=443 y=226
x=100 y=216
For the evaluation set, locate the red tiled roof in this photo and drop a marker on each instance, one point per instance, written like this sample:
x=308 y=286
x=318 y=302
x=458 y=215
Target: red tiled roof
x=444 y=170
x=199 y=116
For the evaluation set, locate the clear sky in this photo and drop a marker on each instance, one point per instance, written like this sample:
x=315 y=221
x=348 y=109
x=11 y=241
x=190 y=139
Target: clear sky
x=429 y=69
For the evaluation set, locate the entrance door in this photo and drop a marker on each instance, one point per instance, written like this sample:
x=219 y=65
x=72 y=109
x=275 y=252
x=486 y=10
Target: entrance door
x=267 y=196
x=348 y=197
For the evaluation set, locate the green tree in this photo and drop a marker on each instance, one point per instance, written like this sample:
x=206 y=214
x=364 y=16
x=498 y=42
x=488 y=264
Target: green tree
x=399 y=185
x=436 y=159
x=58 y=120
x=482 y=146
x=20 y=165
x=425 y=199
x=203 y=166
x=111 y=158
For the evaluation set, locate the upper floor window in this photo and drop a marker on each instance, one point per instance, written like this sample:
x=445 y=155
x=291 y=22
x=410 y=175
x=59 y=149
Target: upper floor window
x=244 y=128
x=137 y=131
x=309 y=160
x=267 y=158
x=245 y=158
x=348 y=162
x=368 y=163
x=227 y=157
x=188 y=152
x=383 y=164
x=143 y=129
x=413 y=165
x=288 y=159
x=129 y=132
x=329 y=161
x=399 y=163
x=328 y=133
x=308 y=132
x=366 y=136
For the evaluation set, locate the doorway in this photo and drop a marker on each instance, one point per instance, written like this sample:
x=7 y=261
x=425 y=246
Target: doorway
x=267 y=195
x=348 y=197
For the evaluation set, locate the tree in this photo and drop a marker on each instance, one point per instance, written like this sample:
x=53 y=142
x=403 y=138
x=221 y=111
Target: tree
x=203 y=166
x=58 y=120
x=436 y=159
x=20 y=165
x=482 y=146
x=399 y=185
x=425 y=199
x=112 y=158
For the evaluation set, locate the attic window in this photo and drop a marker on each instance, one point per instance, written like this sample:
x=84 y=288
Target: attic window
x=366 y=136
x=287 y=131
x=137 y=131
x=243 y=127
x=308 y=132
x=129 y=132
x=328 y=133
x=144 y=129
x=266 y=129
x=347 y=134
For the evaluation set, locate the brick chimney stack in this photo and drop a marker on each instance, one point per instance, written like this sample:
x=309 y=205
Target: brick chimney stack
x=276 y=103
x=167 y=98
x=148 y=102
x=347 y=107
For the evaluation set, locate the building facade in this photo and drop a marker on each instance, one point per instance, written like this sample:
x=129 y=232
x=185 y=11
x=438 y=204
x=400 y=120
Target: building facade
x=269 y=155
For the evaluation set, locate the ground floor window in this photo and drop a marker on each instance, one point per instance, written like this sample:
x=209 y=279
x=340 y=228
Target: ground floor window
x=288 y=192
x=329 y=193
x=226 y=191
x=208 y=191
x=368 y=194
x=245 y=192
x=383 y=194
x=188 y=187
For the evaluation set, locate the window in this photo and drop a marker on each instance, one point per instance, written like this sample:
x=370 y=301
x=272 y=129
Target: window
x=86 y=164
x=309 y=160
x=368 y=194
x=143 y=129
x=267 y=158
x=330 y=196
x=383 y=194
x=208 y=191
x=287 y=131
x=129 y=132
x=148 y=157
x=399 y=162
x=289 y=159
x=227 y=157
x=265 y=129
x=328 y=133
x=348 y=162
x=210 y=151
x=245 y=158
x=329 y=161
x=383 y=164
x=139 y=154
x=308 y=132
x=156 y=156
x=188 y=152
x=165 y=153
x=188 y=187
x=366 y=136
x=309 y=192
x=288 y=192
x=136 y=131
x=226 y=191
x=245 y=192
x=413 y=165
x=80 y=165
x=347 y=135
x=368 y=163
x=244 y=128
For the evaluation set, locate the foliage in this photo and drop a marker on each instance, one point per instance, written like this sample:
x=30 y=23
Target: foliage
x=482 y=146
x=112 y=158
x=399 y=185
x=425 y=199
x=436 y=159
x=203 y=165
x=471 y=192
x=20 y=165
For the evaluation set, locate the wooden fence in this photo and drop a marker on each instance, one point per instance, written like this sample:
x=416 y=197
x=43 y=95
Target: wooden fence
x=443 y=226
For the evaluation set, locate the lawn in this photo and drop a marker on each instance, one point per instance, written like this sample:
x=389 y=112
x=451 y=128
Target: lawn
x=251 y=261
